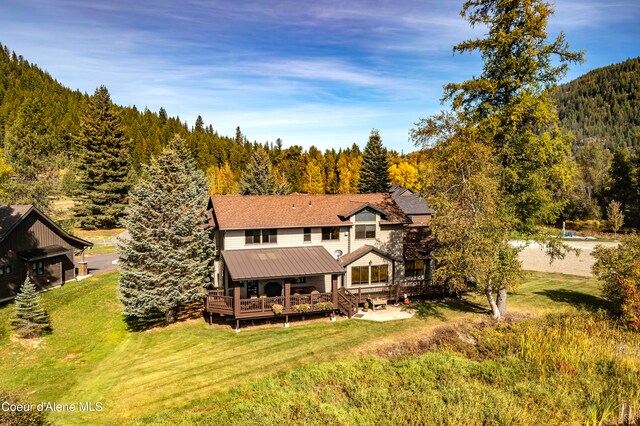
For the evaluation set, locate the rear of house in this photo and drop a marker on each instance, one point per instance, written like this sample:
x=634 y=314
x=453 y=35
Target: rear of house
x=31 y=243
x=297 y=245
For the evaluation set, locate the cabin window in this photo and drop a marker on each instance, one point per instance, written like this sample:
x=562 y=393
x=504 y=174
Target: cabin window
x=365 y=231
x=379 y=274
x=365 y=216
x=5 y=270
x=37 y=268
x=359 y=275
x=414 y=268
x=330 y=233
x=261 y=236
x=307 y=235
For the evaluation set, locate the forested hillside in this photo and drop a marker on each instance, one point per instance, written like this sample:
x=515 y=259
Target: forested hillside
x=223 y=158
x=603 y=104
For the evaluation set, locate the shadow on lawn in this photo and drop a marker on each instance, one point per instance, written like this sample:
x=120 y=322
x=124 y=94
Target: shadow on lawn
x=579 y=300
x=434 y=308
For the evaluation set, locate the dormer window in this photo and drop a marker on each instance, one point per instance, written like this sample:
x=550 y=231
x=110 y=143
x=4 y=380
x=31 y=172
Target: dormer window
x=365 y=216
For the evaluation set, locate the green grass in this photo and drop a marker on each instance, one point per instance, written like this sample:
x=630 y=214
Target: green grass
x=92 y=357
x=101 y=249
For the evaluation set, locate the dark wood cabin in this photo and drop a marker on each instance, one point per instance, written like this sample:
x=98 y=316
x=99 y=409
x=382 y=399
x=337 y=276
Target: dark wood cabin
x=31 y=243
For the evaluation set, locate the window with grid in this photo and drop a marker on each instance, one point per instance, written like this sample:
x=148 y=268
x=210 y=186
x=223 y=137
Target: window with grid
x=359 y=275
x=379 y=274
x=37 y=268
x=307 y=235
x=330 y=233
x=414 y=268
x=261 y=236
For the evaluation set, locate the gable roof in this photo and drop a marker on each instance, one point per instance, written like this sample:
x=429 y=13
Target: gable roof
x=362 y=251
x=410 y=203
x=12 y=216
x=297 y=210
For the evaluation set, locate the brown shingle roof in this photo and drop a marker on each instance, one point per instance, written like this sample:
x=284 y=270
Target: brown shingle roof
x=296 y=210
x=357 y=254
x=280 y=262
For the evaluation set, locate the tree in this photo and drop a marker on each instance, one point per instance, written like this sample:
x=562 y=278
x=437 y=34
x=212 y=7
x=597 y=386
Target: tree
x=222 y=180
x=511 y=103
x=314 y=184
x=29 y=317
x=406 y=175
x=27 y=150
x=615 y=216
x=508 y=108
x=374 y=174
x=103 y=165
x=258 y=178
x=167 y=258
x=618 y=269
x=473 y=222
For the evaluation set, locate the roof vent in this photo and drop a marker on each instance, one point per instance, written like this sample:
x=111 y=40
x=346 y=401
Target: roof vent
x=309 y=203
x=293 y=206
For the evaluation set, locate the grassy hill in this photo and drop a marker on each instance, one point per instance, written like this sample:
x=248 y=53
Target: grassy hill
x=604 y=104
x=193 y=373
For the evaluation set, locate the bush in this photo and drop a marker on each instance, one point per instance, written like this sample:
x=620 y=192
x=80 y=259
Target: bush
x=277 y=308
x=19 y=418
x=303 y=307
x=618 y=269
x=323 y=306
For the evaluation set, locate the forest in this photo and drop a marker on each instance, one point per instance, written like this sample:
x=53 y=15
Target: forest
x=45 y=132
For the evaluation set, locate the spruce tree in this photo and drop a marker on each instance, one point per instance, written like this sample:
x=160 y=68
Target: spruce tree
x=258 y=178
x=29 y=318
x=28 y=151
x=167 y=258
x=374 y=173
x=103 y=165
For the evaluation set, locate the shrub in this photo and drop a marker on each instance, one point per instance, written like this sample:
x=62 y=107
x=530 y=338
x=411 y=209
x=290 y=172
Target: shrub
x=32 y=417
x=29 y=318
x=323 y=306
x=618 y=269
x=277 y=308
x=303 y=307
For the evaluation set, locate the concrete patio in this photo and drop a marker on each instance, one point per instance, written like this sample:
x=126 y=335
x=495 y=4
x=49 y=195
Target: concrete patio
x=389 y=314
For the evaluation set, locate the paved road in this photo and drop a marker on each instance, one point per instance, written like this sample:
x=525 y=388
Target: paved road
x=533 y=258
x=101 y=263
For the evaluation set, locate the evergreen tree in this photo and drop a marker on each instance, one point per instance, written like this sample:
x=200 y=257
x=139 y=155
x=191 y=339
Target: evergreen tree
x=199 y=124
x=28 y=148
x=167 y=259
x=103 y=165
x=258 y=178
x=29 y=317
x=374 y=174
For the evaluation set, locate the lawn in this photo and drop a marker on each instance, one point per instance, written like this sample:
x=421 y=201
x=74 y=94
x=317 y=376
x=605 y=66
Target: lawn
x=92 y=357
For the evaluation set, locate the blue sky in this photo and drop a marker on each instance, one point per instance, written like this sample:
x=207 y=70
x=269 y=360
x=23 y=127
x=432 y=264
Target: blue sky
x=322 y=72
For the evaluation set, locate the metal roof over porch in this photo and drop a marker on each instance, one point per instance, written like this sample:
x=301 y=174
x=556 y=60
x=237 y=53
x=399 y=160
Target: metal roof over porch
x=280 y=262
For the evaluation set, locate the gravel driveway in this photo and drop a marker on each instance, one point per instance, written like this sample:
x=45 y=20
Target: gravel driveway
x=533 y=258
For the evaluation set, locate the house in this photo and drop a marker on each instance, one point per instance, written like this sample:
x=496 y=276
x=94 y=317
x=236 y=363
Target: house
x=31 y=243
x=299 y=251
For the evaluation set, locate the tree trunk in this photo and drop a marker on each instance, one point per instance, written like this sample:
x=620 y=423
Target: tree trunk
x=170 y=315
x=502 y=300
x=494 y=307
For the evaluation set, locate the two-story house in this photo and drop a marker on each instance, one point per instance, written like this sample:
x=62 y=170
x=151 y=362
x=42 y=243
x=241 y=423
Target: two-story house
x=294 y=248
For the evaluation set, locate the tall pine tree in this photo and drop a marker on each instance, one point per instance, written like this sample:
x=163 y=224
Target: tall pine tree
x=168 y=256
x=29 y=317
x=374 y=174
x=103 y=165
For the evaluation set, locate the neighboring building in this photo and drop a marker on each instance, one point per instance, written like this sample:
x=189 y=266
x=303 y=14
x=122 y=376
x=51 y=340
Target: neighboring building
x=31 y=243
x=282 y=247
x=413 y=206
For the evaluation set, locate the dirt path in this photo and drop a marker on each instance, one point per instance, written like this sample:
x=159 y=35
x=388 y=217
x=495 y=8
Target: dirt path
x=534 y=258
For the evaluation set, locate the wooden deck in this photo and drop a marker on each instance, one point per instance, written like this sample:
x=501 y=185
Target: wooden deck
x=343 y=300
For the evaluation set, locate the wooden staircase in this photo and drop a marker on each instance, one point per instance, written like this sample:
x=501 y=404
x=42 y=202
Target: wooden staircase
x=347 y=302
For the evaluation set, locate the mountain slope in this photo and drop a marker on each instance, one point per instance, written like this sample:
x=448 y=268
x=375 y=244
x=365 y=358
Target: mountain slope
x=603 y=104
